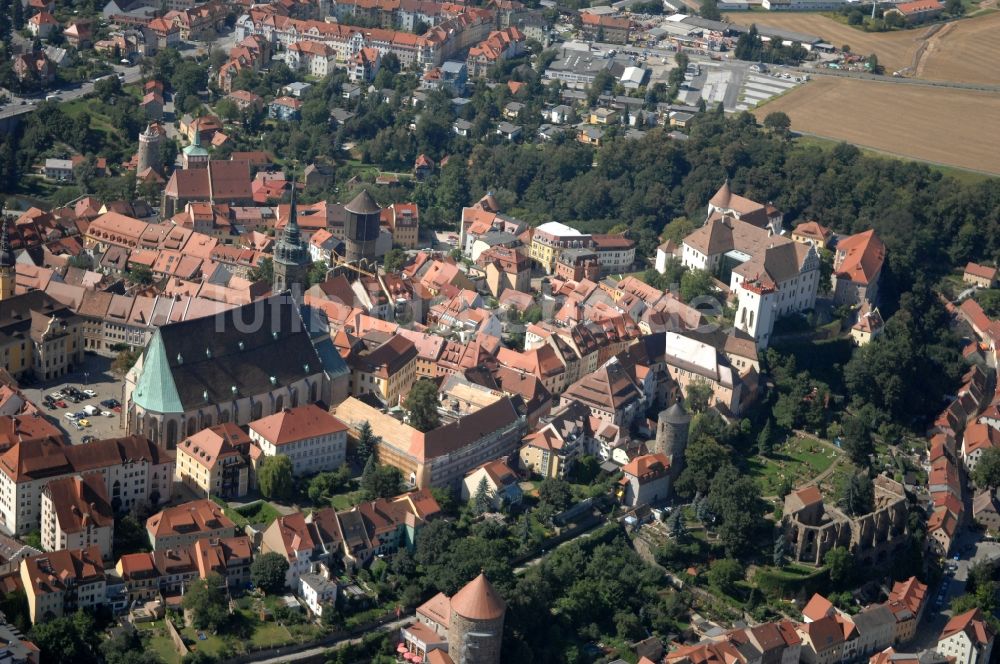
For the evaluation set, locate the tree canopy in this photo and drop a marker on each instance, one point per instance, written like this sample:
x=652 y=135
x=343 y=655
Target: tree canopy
x=274 y=477
x=268 y=572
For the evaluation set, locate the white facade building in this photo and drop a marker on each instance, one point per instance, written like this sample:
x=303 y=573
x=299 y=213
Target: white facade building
x=309 y=436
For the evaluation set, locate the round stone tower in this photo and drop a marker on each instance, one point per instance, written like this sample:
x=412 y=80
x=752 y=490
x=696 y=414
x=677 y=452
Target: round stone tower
x=149 y=150
x=475 y=629
x=672 y=436
x=361 y=227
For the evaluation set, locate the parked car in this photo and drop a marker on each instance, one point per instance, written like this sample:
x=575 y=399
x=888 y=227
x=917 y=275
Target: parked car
x=83 y=422
x=60 y=404
x=87 y=439
x=90 y=393
x=91 y=409
x=70 y=416
x=107 y=413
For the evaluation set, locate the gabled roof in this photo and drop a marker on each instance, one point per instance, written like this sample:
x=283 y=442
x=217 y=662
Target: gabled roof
x=817 y=607
x=972 y=624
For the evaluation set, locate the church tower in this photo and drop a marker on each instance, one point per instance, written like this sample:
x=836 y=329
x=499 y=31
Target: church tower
x=8 y=273
x=291 y=257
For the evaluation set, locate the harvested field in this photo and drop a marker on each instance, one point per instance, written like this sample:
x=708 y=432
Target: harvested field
x=966 y=51
x=895 y=50
x=904 y=120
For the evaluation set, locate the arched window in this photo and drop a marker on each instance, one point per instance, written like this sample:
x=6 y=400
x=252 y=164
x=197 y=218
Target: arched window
x=257 y=410
x=192 y=426
x=279 y=404
x=171 y=433
x=313 y=396
x=295 y=397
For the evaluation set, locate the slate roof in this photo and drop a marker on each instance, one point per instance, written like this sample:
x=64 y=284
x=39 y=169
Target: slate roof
x=245 y=351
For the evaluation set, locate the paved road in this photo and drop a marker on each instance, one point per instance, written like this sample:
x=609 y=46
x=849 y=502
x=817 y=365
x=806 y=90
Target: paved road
x=899 y=80
x=20 y=105
x=315 y=652
x=133 y=74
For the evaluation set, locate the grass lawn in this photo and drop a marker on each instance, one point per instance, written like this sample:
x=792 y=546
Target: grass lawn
x=268 y=634
x=259 y=512
x=800 y=460
x=159 y=642
x=345 y=501
x=212 y=644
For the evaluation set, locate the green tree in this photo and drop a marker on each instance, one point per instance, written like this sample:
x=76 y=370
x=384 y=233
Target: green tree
x=268 y=572
x=208 y=602
x=140 y=275
x=703 y=459
x=695 y=284
x=481 y=499
x=765 y=439
x=274 y=478
x=126 y=647
x=699 y=395
x=380 y=481
x=736 y=500
x=840 y=562
x=70 y=638
x=986 y=474
x=710 y=10
x=555 y=493
x=367 y=442
x=264 y=271
x=953 y=7
x=859 y=495
x=317 y=273
x=394 y=260
x=778 y=122
x=857 y=437
x=421 y=405
x=324 y=486
x=723 y=575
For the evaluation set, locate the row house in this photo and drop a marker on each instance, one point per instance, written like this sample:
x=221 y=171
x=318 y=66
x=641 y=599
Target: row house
x=349 y=538
x=182 y=525
x=148 y=576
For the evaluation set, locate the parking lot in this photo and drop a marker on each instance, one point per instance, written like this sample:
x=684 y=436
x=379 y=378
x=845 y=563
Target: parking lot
x=95 y=375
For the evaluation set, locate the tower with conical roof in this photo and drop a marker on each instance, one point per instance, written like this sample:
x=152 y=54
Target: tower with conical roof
x=361 y=227
x=149 y=151
x=672 y=436
x=475 y=628
x=8 y=273
x=291 y=257
x=194 y=156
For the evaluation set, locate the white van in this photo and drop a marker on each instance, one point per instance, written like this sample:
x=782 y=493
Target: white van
x=91 y=410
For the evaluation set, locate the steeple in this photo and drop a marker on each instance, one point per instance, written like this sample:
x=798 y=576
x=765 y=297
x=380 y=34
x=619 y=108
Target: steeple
x=291 y=257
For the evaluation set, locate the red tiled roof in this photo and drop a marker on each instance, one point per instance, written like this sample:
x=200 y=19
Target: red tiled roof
x=295 y=424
